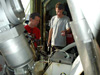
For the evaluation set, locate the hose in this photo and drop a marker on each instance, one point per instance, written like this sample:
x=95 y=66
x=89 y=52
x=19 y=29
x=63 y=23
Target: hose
x=67 y=48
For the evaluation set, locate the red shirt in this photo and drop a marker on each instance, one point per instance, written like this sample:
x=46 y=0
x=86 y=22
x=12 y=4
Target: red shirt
x=34 y=31
x=70 y=38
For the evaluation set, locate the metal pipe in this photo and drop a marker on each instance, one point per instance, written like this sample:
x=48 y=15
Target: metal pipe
x=44 y=25
x=91 y=12
x=32 y=6
x=41 y=21
x=36 y=5
x=84 y=39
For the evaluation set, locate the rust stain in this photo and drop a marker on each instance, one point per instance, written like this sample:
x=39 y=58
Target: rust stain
x=58 y=64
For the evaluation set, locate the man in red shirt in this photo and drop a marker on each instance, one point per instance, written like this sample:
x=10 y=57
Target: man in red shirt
x=32 y=27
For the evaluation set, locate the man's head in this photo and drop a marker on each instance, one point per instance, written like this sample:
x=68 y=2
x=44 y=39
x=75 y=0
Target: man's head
x=34 y=19
x=59 y=9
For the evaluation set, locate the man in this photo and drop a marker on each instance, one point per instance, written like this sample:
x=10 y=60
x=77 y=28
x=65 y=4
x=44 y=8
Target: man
x=32 y=27
x=59 y=26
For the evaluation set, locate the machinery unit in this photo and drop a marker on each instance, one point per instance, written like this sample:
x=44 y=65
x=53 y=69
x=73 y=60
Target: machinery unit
x=13 y=44
x=85 y=28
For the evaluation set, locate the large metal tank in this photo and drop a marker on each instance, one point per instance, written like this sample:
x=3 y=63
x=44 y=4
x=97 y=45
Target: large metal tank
x=16 y=51
x=13 y=44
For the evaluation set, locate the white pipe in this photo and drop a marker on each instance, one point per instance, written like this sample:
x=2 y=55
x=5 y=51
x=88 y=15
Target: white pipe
x=68 y=47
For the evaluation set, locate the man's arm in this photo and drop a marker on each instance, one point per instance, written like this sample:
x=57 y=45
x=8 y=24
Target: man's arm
x=63 y=33
x=50 y=36
x=68 y=30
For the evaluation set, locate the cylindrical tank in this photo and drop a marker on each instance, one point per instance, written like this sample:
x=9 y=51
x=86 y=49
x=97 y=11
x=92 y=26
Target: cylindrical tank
x=16 y=51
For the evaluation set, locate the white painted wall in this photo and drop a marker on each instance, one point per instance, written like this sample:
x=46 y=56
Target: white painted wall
x=25 y=4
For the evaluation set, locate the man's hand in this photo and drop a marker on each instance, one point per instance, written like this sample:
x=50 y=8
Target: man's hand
x=63 y=33
x=48 y=44
x=0 y=67
x=33 y=35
